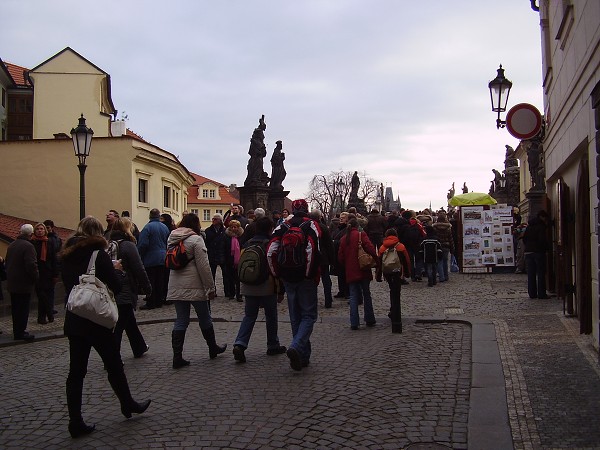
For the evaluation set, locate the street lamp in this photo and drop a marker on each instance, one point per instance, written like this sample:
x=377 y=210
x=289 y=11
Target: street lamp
x=499 y=91
x=82 y=142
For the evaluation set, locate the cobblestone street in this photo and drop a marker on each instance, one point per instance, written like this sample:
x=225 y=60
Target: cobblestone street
x=363 y=389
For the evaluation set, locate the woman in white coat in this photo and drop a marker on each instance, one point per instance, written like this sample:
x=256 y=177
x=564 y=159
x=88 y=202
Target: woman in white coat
x=192 y=285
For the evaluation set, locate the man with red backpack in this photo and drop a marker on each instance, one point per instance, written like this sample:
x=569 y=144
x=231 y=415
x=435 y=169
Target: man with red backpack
x=294 y=257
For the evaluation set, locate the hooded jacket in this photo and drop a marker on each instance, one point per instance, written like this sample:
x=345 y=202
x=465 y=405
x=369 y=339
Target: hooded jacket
x=443 y=230
x=194 y=282
x=393 y=242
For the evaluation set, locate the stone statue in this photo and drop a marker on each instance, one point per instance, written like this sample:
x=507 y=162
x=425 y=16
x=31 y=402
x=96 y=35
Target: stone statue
x=497 y=180
x=451 y=192
x=465 y=189
x=510 y=160
x=355 y=183
x=256 y=175
x=278 y=172
x=534 y=158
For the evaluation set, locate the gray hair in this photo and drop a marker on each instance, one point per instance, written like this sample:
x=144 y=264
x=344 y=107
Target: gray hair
x=26 y=229
x=315 y=214
x=259 y=212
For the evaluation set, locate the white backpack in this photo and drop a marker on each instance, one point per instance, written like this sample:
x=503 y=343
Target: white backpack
x=390 y=261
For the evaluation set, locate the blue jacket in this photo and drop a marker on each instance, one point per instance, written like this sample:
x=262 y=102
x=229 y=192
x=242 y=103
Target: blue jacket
x=153 y=243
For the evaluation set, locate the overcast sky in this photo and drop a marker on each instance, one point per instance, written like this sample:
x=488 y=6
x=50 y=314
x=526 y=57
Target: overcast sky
x=396 y=90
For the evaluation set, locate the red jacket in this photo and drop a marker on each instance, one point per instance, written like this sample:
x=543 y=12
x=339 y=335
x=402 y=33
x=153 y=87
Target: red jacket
x=392 y=241
x=348 y=256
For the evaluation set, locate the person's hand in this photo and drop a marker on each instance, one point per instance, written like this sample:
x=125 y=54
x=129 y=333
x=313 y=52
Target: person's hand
x=211 y=295
x=117 y=264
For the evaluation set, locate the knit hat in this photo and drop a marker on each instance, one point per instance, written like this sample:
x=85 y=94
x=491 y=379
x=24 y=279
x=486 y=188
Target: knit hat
x=300 y=205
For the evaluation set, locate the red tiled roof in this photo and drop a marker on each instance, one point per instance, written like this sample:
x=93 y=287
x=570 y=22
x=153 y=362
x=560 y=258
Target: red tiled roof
x=226 y=197
x=18 y=74
x=135 y=135
x=10 y=226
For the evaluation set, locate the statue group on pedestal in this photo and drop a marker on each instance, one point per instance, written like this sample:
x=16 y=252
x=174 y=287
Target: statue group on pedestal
x=258 y=150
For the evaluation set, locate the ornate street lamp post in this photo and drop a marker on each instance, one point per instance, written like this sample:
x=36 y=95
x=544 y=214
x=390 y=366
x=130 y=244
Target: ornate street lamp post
x=499 y=91
x=82 y=142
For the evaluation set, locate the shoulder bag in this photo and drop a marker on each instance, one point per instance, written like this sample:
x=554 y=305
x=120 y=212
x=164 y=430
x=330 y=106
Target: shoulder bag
x=92 y=299
x=365 y=261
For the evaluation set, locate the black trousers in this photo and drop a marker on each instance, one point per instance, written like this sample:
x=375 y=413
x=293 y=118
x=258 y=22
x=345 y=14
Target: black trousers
x=393 y=281
x=45 y=296
x=128 y=323
x=79 y=353
x=156 y=275
x=228 y=283
x=19 y=308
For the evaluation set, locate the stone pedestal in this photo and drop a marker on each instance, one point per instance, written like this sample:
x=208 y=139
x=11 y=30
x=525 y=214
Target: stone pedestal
x=276 y=200
x=537 y=202
x=252 y=197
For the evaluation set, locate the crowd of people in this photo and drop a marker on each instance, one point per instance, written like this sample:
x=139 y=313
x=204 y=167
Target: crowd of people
x=296 y=250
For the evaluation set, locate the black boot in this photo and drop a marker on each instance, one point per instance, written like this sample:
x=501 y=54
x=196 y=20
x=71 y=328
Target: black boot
x=118 y=382
x=77 y=429
x=177 y=340
x=213 y=348
x=77 y=426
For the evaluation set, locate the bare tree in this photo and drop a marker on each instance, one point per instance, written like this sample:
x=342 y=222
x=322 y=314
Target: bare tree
x=330 y=192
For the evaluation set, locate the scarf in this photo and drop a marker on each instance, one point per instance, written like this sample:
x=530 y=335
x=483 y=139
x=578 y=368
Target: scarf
x=44 y=252
x=235 y=250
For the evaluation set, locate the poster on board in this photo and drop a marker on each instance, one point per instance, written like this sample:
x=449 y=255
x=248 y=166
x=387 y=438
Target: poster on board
x=487 y=237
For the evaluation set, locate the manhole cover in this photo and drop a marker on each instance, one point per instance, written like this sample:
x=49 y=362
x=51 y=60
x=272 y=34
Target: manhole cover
x=453 y=311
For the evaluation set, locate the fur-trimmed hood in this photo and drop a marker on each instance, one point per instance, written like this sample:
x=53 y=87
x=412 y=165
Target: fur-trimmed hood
x=76 y=243
x=229 y=231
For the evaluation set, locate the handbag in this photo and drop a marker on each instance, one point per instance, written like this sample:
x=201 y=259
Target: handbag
x=92 y=299
x=365 y=261
x=454 y=265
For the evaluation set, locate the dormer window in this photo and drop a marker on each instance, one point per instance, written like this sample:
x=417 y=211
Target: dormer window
x=209 y=193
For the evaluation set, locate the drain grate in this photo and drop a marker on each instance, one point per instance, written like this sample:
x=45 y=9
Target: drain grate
x=453 y=311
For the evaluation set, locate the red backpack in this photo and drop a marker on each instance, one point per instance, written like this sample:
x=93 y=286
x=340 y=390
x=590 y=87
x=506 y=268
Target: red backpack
x=177 y=258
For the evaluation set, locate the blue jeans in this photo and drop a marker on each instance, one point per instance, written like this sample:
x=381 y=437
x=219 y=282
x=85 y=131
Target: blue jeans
x=442 y=267
x=182 y=309
x=536 y=274
x=357 y=290
x=302 y=306
x=251 y=308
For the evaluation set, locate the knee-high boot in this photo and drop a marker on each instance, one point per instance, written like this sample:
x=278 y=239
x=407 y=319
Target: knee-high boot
x=177 y=340
x=213 y=348
x=118 y=382
x=77 y=426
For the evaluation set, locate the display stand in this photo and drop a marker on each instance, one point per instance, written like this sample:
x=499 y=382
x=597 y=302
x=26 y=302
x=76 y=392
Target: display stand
x=486 y=238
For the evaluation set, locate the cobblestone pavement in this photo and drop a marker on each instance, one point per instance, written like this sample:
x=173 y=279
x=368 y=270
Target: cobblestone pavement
x=363 y=389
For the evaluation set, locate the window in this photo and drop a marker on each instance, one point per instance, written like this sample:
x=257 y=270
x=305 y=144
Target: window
x=206 y=215
x=209 y=193
x=219 y=211
x=166 y=196
x=194 y=211
x=3 y=98
x=142 y=190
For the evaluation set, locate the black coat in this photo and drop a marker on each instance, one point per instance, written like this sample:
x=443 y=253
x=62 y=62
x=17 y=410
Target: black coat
x=134 y=270
x=215 y=244
x=75 y=259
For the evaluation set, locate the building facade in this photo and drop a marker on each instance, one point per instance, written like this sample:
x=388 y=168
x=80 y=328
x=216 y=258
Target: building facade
x=570 y=38
x=39 y=178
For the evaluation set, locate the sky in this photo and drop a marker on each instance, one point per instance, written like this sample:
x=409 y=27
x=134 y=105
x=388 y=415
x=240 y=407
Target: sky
x=393 y=89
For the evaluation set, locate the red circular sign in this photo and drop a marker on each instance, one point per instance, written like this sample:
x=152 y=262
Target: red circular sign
x=523 y=121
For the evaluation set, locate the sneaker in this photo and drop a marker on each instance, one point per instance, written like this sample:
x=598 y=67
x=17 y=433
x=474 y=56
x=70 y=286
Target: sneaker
x=238 y=353
x=294 y=356
x=276 y=350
